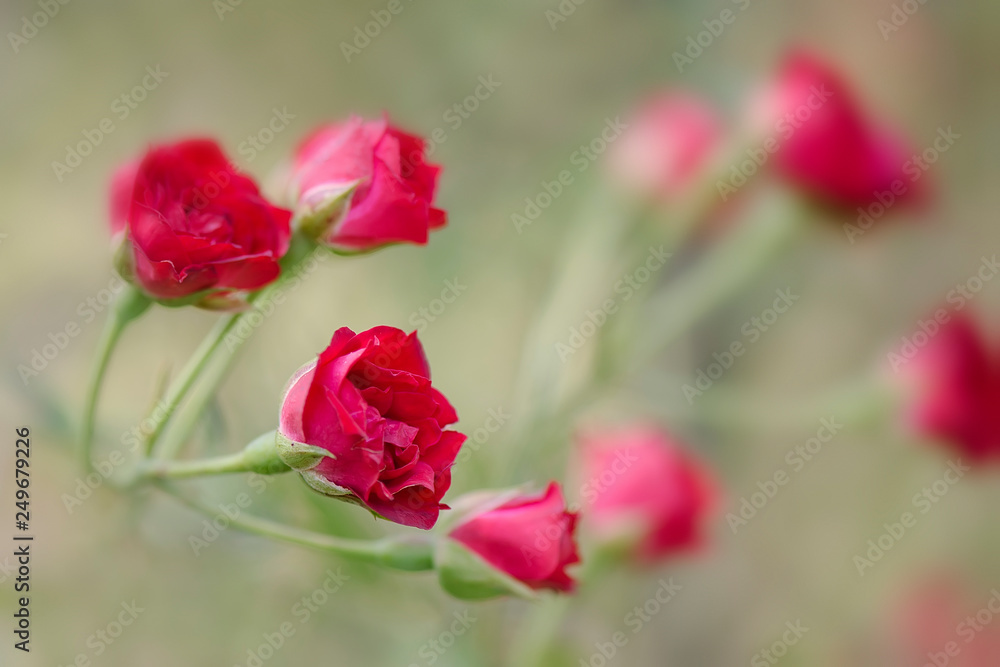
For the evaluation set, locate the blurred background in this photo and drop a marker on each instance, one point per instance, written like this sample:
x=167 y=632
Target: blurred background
x=230 y=68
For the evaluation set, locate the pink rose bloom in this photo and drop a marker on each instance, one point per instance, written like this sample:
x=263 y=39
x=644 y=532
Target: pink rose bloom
x=829 y=146
x=637 y=479
x=667 y=146
x=368 y=402
x=359 y=185
x=530 y=538
x=192 y=225
x=955 y=379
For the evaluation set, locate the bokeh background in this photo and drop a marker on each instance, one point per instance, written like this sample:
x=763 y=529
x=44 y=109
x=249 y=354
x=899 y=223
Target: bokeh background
x=230 y=67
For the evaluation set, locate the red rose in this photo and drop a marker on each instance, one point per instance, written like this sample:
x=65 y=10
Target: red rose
x=362 y=184
x=955 y=385
x=193 y=225
x=368 y=405
x=667 y=146
x=529 y=538
x=827 y=145
x=637 y=482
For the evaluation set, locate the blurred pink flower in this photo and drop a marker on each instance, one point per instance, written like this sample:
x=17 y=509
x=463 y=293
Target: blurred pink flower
x=639 y=480
x=828 y=145
x=941 y=623
x=956 y=385
x=667 y=146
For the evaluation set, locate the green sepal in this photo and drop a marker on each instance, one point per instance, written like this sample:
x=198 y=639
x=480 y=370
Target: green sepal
x=466 y=576
x=262 y=456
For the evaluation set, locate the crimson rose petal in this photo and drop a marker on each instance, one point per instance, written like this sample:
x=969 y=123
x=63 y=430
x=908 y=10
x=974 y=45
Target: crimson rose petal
x=529 y=537
x=191 y=224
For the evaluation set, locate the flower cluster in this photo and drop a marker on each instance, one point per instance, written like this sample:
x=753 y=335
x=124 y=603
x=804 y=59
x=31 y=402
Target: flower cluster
x=363 y=422
x=191 y=228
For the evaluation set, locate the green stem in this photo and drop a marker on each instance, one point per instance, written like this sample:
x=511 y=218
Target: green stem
x=539 y=631
x=584 y=279
x=201 y=396
x=299 y=250
x=130 y=304
x=729 y=267
x=540 y=628
x=260 y=456
x=863 y=402
x=216 y=465
x=412 y=553
x=191 y=371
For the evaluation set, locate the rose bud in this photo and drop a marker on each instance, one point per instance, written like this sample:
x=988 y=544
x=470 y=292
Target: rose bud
x=642 y=492
x=668 y=145
x=953 y=386
x=191 y=229
x=823 y=142
x=510 y=543
x=360 y=185
x=363 y=423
